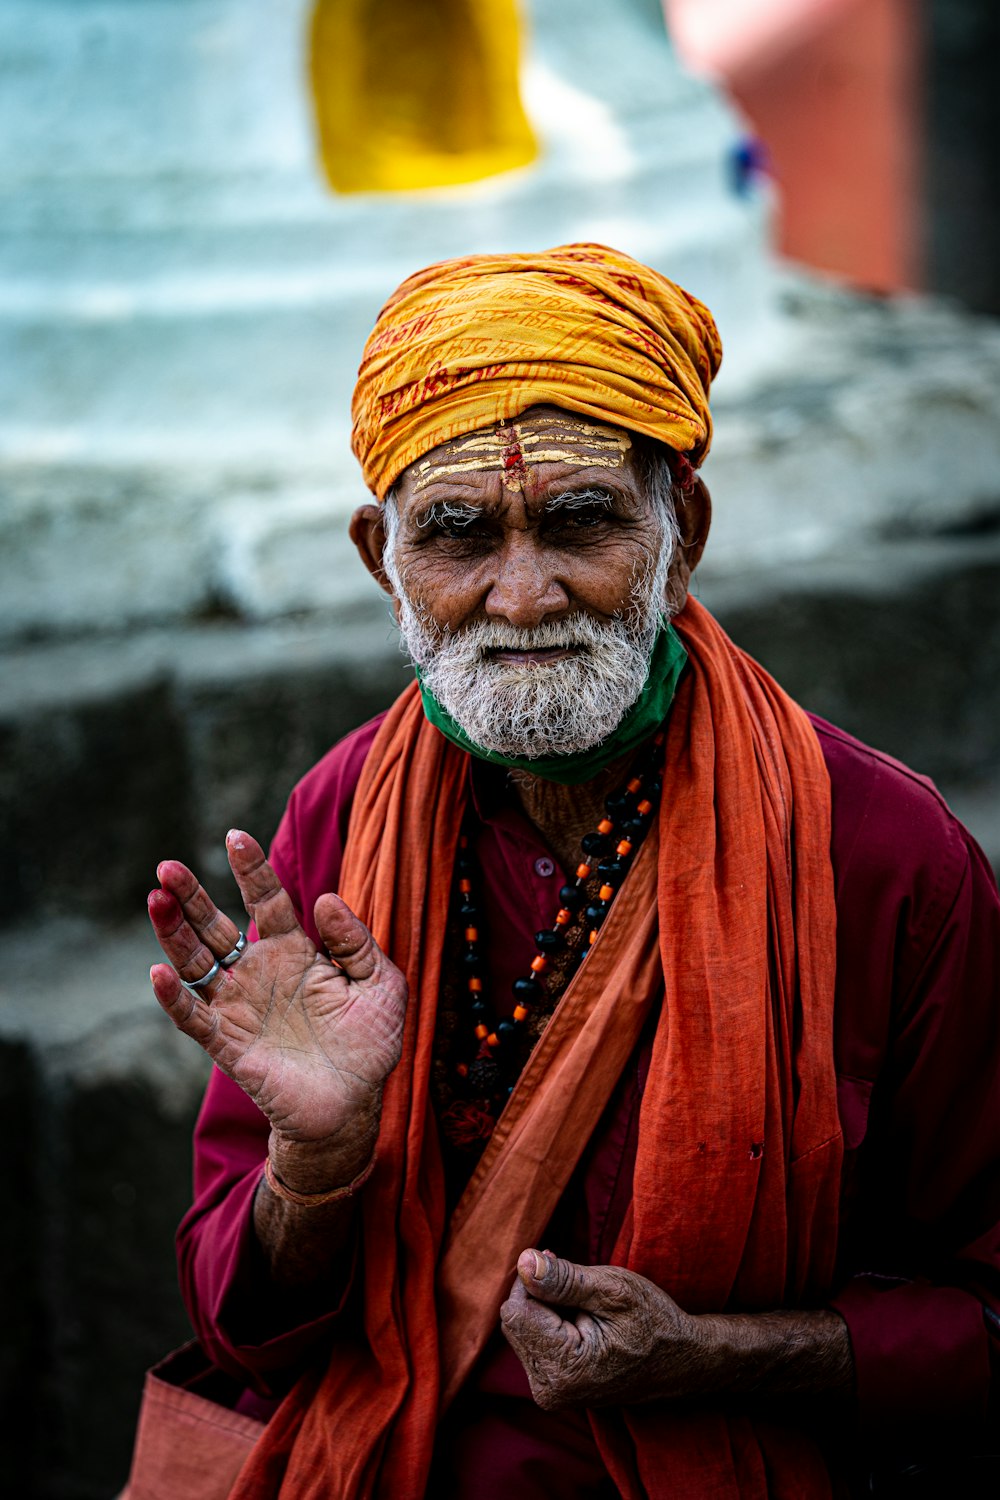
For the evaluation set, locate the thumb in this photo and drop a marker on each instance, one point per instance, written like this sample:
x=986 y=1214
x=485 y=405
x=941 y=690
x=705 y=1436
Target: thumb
x=345 y=937
x=561 y=1282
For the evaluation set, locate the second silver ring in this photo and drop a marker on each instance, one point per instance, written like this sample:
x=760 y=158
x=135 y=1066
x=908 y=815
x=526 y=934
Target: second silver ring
x=235 y=951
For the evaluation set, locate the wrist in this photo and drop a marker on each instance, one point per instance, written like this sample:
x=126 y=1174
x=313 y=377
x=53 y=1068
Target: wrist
x=782 y=1353
x=316 y=1167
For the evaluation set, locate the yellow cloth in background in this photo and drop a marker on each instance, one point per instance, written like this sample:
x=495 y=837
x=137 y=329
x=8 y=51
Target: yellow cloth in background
x=417 y=93
x=470 y=342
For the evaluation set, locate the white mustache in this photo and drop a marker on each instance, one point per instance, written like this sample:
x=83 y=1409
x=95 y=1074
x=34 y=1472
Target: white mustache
x=578 y=634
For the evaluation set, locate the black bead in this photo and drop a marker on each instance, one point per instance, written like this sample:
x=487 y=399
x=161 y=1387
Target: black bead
x=571 y=896
x=612 y=870
x=472 y=959
x=469 y=910
x=527 y=990
x=479 y=1011
x=548 y=941
x=619 y=803
x=595 y=843
x=631 y=826
x=595 y=914
x=484 y=1076
x=465 y=866
x=506 y=1029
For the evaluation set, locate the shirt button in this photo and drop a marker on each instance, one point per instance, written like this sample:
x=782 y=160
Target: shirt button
x=544 y=866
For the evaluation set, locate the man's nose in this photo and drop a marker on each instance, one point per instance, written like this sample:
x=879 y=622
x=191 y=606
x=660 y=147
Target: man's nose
x=525 y=591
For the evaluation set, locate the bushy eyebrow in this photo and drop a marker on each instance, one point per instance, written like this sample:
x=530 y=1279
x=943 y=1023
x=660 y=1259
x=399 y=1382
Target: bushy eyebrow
x=584 y=499
x=448 y=510
x=462 y=513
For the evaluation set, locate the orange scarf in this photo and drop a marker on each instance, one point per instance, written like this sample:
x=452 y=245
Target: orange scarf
x=730 y=911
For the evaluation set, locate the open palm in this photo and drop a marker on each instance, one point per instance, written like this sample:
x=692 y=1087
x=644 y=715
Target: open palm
x=310 y=1040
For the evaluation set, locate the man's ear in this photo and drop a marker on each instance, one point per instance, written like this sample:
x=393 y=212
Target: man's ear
x=367 y=532
x=694 y=517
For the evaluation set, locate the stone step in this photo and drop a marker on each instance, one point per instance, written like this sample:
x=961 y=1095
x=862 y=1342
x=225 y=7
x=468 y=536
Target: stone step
x=98 y=1096
x=119 y=751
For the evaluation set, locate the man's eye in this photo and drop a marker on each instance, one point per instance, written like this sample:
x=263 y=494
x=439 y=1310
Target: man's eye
x=448 y=522
x=456 y=527
x=584 y=518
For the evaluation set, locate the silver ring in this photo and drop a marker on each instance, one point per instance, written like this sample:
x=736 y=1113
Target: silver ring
x=235 y=952
x=194 y=985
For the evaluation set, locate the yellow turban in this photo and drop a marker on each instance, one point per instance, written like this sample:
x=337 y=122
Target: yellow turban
x=468 y=343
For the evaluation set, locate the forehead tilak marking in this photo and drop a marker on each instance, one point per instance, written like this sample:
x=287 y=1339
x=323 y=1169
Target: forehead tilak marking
x=514 y=470
x=509 y=448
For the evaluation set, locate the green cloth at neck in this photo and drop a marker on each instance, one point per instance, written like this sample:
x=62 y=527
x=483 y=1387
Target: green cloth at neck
x=644 y=717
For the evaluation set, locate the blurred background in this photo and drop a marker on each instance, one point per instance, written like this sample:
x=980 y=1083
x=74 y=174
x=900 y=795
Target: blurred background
x=203 y=203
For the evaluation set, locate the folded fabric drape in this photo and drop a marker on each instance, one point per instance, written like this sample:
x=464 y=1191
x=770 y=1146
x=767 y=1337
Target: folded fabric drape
x=728 y=913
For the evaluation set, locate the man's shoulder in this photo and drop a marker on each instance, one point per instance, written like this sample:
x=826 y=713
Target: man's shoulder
x=331 y=782
x=852 y=763
x=891 y=825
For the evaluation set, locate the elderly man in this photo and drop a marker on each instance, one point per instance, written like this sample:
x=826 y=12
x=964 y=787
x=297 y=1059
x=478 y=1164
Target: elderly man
x=627 y=1124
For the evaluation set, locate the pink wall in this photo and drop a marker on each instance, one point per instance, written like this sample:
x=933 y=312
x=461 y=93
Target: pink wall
x=833 y=89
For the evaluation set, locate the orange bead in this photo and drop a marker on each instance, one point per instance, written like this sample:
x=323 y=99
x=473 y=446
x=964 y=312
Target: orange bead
x=539 y=964
x=605 y=825
x=493 y=1040
x=465 y=886
x=582 y=871
x=645 y=806
x=520 y=1013
x=606 y=892
x=475 y=985
x=563 y=915
x=635 y=785
x=462 y=1070
x=482 y=1031
x=624 y=847
x=593 y=937
x=472 y=934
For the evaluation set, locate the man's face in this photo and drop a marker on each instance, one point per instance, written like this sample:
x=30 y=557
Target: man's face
x=529 y=564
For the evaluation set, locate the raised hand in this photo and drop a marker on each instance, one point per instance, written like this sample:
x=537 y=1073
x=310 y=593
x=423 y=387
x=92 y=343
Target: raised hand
x=311 y=1041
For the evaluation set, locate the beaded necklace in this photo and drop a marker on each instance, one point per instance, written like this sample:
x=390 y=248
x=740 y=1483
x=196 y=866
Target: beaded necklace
x=488 y=1058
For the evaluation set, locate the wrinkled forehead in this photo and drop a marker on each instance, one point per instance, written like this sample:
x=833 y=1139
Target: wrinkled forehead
x=543 y=435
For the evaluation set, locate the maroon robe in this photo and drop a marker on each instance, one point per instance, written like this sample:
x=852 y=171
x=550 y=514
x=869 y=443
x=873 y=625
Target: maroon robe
x=917 y=1051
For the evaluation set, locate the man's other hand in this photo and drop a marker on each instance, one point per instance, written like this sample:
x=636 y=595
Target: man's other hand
x=596 y=1335
x=604 y=1336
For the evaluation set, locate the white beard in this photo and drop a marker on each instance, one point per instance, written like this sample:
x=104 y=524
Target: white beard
x=539 y=709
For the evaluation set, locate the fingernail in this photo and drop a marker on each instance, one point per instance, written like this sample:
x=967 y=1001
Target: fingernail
x=541 y=1265
x=235 y=837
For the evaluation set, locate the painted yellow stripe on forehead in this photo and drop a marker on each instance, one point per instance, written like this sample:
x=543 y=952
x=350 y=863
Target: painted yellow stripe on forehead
x=480 y=451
